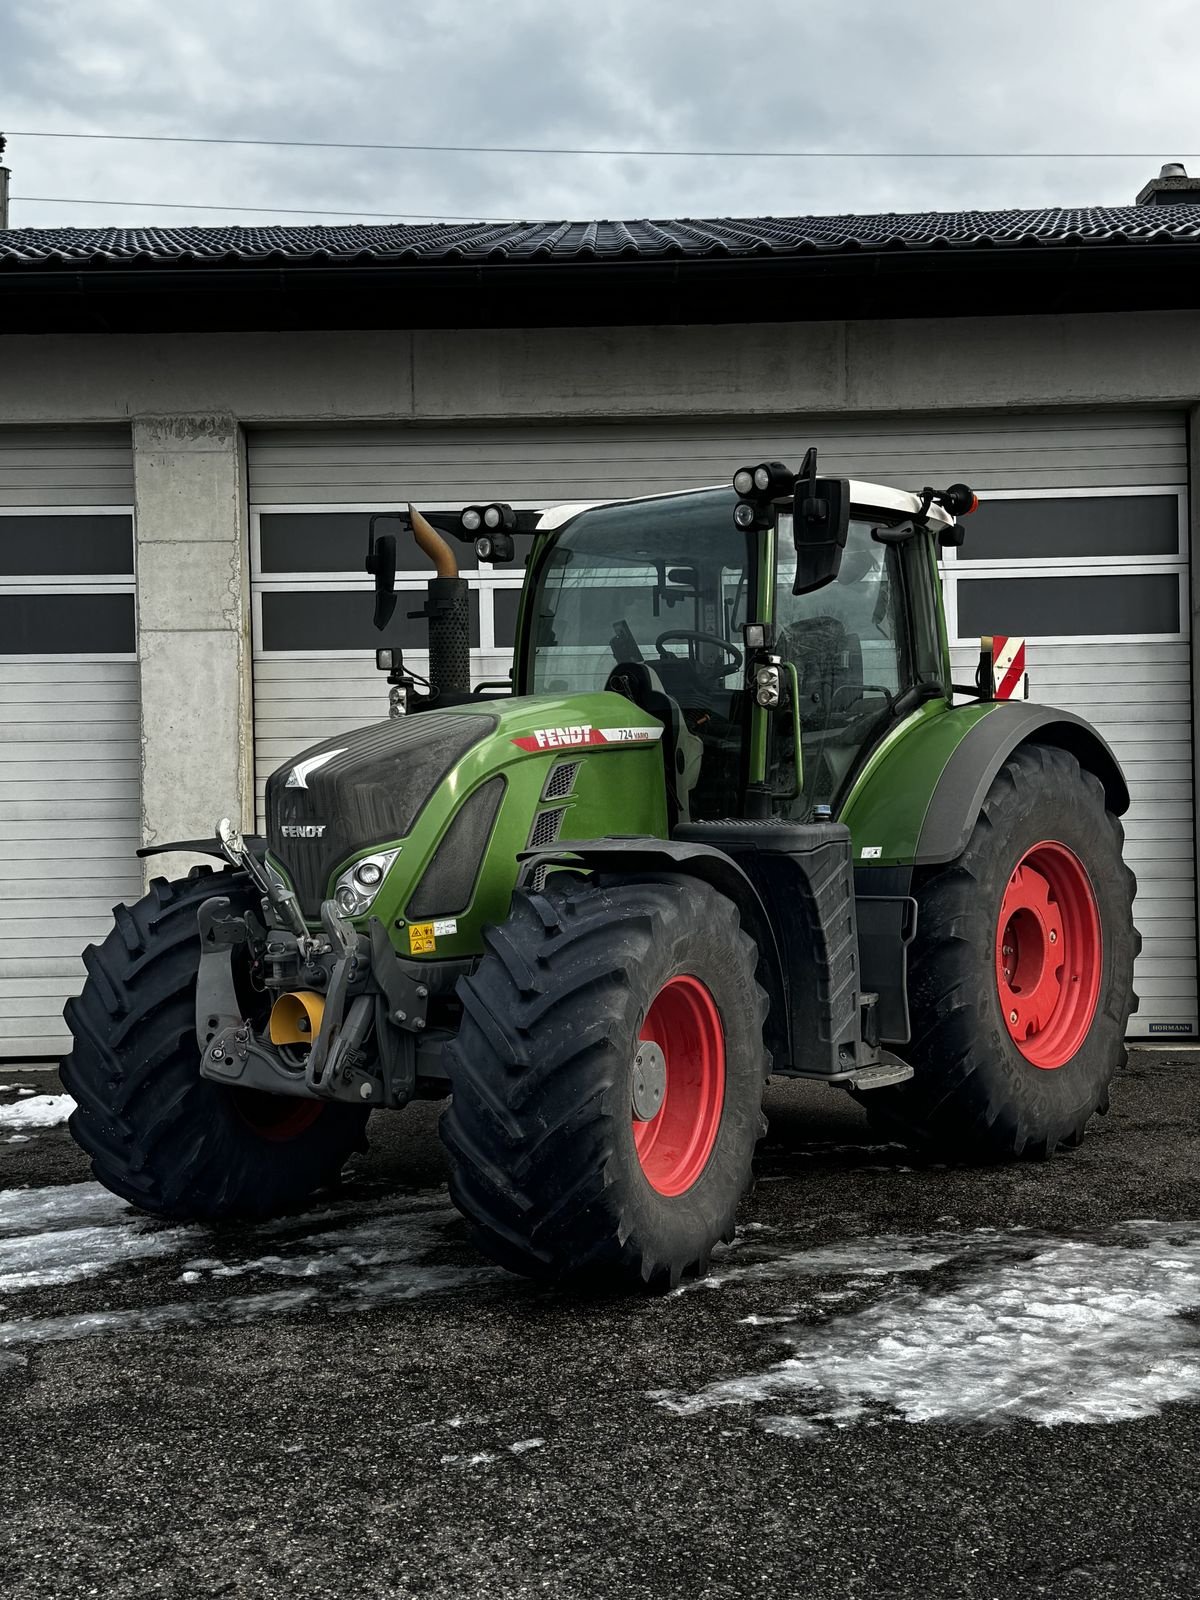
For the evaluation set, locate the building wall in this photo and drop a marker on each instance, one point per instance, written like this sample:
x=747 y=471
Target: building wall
x=1144 y=358
x=188 y=399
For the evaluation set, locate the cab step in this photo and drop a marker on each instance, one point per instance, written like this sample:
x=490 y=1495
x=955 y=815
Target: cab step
x=881 y=1074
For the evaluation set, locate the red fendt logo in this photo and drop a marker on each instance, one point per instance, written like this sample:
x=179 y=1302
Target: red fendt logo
x=584 y=733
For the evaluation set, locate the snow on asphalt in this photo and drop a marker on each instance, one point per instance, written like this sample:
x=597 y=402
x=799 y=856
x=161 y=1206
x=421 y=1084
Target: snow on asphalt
x=365 y=1254
x=946 y=1326
x=36 y=1111
x=976 y=1328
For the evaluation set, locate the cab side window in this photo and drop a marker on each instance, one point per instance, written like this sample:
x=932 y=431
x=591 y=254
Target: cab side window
x=849 y=645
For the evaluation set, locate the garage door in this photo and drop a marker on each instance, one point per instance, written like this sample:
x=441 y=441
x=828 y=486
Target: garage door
x=69 y=734
x=1081 y=546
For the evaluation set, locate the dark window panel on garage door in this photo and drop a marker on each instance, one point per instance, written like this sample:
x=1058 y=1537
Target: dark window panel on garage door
x=505 y=603
x=1129 y=525
x=67 y=625
x=336 y=541
x=1076 y=606
x=89 y=545
x=315 y=620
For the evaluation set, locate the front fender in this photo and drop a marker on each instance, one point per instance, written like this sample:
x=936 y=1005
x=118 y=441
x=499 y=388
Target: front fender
x=646 y=854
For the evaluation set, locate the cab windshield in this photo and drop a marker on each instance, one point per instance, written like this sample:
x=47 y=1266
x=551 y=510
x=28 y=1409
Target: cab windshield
x=648 y=599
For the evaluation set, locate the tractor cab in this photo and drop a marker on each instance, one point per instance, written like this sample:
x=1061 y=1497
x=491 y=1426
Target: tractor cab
x=667 y=600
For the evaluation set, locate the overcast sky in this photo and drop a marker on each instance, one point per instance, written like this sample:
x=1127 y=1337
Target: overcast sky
x=1089 y=75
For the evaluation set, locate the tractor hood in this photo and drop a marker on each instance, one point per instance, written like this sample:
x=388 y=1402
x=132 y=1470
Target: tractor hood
x=351 y=791
x=441 y=788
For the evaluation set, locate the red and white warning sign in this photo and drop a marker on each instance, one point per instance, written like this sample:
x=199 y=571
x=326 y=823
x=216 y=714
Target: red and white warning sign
x=583 y=733
x=1010 y=681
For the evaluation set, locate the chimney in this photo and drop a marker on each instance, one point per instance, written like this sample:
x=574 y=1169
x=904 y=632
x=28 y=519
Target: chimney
x=1172 y=187
x=3 y=186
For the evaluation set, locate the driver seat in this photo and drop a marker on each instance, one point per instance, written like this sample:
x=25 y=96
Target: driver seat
x=683 y=751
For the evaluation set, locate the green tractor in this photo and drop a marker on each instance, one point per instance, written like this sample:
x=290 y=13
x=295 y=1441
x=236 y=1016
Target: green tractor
x=725 y=821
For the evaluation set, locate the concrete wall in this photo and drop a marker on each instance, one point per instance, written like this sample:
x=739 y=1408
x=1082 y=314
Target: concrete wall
x=194 y=656
x=829 y=368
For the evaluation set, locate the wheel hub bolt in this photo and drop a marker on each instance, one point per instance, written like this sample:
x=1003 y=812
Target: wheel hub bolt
x=649 y=1080
x=1053 y=936
x=1012 y=1016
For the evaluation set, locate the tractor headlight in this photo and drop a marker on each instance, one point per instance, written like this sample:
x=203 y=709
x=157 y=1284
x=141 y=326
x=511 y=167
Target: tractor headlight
x=745 y=515
x=471 y=519
x=743 y=481
x=357 y=886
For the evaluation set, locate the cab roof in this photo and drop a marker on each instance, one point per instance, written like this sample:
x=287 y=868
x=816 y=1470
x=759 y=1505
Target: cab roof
x=864 y=497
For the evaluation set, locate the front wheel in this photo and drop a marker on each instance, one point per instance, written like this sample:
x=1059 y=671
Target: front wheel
x=1021 y=974
x=607 y=1080
x=157 y=1133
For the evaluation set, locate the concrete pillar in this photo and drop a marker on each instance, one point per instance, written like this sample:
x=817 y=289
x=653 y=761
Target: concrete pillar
x=1193 y=501
x=193 y=629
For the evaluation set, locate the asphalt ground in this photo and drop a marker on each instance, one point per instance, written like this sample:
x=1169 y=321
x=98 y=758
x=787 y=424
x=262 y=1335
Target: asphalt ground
x=349 y=1403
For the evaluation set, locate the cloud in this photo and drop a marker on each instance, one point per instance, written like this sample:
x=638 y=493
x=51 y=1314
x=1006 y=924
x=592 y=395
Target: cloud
x=830 y=74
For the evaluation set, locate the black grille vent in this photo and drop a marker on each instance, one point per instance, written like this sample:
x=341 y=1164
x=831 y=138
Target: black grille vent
x=561 y=781
x=449 y=881
x=545 y=829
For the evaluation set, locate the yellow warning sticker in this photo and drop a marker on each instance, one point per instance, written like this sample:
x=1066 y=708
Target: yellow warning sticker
x=421 y=939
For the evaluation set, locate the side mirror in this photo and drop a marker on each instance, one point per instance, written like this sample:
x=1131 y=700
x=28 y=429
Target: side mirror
x=820 y=523
x=381 y=563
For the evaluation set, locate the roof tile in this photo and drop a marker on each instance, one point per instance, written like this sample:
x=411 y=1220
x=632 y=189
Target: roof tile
x=713 y=238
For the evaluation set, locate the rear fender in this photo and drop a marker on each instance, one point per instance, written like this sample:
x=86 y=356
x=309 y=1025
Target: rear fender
x=966 y=778
x=919 y=795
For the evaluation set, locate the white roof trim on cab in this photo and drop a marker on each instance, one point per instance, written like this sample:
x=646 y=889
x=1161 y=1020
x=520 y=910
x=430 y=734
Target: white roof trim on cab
x=863 y=497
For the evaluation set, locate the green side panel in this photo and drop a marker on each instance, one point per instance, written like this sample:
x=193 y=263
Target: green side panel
x=886 y=807
x=619 y=788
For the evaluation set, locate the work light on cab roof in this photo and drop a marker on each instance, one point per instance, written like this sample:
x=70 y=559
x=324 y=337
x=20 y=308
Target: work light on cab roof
x=728 y=800
x=492 y=529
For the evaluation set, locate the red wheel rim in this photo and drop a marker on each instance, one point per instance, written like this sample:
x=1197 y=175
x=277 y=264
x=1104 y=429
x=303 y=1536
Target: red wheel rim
x=1048 y=955
x=276 y=1117
x=674 y=1146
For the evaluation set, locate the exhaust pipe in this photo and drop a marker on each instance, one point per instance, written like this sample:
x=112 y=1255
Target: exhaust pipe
x=447 y=612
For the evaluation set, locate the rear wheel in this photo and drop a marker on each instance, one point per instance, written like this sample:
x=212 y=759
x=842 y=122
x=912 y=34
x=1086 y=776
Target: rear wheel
x=159 y=1134
x=1021 y=972
x=607 y=1080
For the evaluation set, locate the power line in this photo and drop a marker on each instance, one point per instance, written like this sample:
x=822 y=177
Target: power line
x=277 y=211
x=570 y=150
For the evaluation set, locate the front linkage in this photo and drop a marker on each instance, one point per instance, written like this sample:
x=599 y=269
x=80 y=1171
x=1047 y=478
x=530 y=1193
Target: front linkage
x=349 y=1016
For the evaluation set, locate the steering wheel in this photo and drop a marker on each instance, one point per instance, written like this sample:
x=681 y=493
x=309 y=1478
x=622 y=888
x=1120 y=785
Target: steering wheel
x=695 y=637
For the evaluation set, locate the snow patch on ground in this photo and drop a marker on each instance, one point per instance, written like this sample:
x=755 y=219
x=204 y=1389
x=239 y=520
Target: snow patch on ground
x=37 y=1111
x=67 y=1205
x=1015 y=1325
x=41 y=1260
x=356 y=1256
x=487 y=1458
x=61 y=1234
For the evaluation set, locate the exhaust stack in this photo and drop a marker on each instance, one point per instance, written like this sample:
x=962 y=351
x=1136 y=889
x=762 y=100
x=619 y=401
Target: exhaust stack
x=447 y=612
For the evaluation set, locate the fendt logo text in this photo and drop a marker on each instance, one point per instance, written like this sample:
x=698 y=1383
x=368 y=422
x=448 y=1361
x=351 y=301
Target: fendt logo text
x=584 y=733
x=304 y=830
